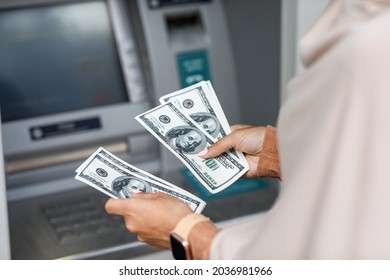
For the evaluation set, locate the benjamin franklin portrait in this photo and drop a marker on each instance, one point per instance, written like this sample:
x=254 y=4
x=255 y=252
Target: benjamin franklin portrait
x=186 y=139
x=208 y=122
x=124 y=186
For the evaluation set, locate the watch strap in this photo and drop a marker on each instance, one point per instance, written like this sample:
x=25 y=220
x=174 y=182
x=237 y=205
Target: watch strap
x=185 y=225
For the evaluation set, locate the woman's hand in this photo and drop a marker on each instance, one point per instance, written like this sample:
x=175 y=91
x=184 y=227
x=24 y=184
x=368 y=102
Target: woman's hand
x=152 y=216
x=245 y=138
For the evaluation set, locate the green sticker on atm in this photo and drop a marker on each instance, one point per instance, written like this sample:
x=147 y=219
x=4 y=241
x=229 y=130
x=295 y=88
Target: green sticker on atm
x=193 y=67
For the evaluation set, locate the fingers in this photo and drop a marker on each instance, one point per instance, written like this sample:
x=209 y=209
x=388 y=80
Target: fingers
x=121 y=206
x=221 y=146
x=225 y=143
x=151 y=196
x=240 y=126
x=117 y=206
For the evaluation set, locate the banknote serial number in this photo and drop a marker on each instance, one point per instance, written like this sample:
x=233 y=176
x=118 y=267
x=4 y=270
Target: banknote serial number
x=241 y=270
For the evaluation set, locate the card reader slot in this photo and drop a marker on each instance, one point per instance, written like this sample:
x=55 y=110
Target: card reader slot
x=40 y=161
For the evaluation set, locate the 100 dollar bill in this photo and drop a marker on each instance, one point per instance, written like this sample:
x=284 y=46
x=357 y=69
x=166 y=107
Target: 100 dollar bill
x=200 y=103
x=183 y=138
x=106 y=176
x=125 y=165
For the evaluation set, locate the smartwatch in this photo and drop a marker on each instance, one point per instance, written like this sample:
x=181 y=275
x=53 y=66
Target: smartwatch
x=181 y=248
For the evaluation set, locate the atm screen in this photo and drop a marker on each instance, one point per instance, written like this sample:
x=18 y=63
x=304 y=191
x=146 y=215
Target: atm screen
x=56 y=59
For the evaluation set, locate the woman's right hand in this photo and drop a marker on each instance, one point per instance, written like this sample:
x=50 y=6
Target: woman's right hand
x=245 y=138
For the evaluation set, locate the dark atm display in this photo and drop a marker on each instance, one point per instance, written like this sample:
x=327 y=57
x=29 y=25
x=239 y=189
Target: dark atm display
x=56 y=59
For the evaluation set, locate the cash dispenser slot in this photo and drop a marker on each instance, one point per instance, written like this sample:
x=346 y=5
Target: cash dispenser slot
x=185 y=28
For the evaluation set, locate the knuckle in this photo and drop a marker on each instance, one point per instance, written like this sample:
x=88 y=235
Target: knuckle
x=140 y=238
x=107 y=206
x=130 y=227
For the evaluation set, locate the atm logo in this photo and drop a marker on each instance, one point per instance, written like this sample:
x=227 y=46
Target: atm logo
x=211 y=164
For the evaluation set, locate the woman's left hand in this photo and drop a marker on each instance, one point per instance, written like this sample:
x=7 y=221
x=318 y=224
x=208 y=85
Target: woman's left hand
x=152 y=216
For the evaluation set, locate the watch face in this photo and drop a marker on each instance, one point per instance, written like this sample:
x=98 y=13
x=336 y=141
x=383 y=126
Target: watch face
x=179 y=247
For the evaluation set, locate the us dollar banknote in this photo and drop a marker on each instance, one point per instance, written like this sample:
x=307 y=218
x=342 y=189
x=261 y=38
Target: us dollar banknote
x=182 y=136
x=200 y=103
x=105 y=175
x=125 y=165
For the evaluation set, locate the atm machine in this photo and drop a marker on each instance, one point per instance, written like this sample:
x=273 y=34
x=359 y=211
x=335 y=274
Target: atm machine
x=5 y=253
x=73 y=75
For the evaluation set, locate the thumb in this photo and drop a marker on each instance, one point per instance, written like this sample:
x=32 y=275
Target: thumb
x=226 y=143
x=219 y=147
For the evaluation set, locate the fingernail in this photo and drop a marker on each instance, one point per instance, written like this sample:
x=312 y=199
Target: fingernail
x=202 y=153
